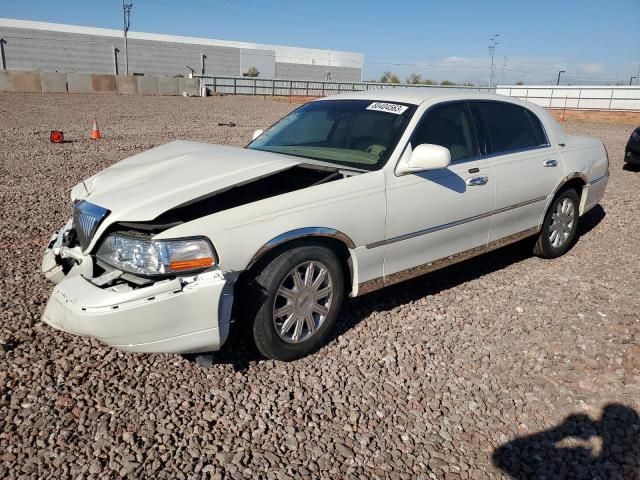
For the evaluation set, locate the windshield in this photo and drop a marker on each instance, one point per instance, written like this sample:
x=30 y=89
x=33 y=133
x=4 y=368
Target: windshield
x=356 y=133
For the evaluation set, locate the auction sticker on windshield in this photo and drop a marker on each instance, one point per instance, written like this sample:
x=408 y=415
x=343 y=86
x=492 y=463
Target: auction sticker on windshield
x=387 y=107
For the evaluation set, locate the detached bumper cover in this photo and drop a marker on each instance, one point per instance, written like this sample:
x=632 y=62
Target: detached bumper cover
x=172 y=316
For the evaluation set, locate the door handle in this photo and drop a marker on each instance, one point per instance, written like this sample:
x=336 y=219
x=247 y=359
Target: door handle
x=550 y=163
x=477 y=180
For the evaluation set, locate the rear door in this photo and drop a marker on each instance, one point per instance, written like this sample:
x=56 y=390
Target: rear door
x=526 y=167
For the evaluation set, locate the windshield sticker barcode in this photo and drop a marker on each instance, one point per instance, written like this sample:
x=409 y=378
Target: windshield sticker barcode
x=387 y=107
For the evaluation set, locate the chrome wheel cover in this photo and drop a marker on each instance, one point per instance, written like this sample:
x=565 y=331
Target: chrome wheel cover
x=562 y=221
x=302 y=302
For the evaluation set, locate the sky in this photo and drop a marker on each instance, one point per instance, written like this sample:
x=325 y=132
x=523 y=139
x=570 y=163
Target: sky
x=593 y=41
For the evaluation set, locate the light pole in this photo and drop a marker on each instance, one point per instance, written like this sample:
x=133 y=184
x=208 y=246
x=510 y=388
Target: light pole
x=126 y=12
x=492 y=47
x=560 y=73
x=631 y=79
x=3 y=61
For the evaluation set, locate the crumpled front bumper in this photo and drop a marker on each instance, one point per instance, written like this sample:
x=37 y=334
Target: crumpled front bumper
x=180 y=315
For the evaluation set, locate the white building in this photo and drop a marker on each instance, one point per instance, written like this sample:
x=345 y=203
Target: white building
x=28 y=45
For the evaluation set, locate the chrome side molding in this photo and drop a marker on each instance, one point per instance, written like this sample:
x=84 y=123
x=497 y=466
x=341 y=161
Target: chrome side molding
x=378 y=283
x=437 y=228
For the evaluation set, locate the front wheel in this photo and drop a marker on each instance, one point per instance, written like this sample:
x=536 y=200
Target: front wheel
x=295 y=300
x=559 y=227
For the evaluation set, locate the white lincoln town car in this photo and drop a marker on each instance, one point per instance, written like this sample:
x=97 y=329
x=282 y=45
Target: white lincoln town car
x=343 y=196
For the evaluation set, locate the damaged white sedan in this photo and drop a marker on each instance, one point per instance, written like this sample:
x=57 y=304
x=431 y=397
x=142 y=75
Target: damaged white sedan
x=343 y=196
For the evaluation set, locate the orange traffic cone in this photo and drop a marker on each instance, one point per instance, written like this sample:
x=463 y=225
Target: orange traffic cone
x=95 y=133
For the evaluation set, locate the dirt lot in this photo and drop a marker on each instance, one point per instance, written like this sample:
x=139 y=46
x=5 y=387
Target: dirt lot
x=446 y=376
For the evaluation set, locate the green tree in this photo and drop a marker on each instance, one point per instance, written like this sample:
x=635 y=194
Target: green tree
x=414 y=78
x=447 y=83
x=252 y=72
x=388 y=77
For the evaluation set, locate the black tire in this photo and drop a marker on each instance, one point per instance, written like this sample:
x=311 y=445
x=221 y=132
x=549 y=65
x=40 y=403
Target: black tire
x=543 y=247
x=262 y=291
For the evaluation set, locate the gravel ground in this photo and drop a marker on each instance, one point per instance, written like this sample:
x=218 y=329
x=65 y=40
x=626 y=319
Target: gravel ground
x=505 y=363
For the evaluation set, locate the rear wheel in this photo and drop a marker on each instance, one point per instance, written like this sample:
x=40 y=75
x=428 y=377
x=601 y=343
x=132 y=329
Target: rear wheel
x=559 y=227
x=295 y=300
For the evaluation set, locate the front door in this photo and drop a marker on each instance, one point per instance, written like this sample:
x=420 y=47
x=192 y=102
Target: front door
x=439 y=213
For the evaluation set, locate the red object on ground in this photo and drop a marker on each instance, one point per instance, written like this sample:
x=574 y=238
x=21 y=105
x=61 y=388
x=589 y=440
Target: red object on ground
x=95 y=133
x=56 y=136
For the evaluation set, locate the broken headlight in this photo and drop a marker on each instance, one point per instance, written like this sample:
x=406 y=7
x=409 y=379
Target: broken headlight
x=156 y=257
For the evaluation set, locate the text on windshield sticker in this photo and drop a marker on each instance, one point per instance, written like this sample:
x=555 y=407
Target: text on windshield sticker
x=387 y=107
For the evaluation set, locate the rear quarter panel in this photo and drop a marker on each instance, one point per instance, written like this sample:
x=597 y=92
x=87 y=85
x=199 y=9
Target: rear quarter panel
x=585 y=155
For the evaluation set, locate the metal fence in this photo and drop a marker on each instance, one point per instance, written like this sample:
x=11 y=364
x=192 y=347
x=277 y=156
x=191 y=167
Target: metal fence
x=306 y=88
x=622 y=98
x=625 y=98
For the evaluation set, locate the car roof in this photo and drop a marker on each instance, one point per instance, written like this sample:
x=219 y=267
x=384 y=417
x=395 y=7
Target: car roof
x=419 y=95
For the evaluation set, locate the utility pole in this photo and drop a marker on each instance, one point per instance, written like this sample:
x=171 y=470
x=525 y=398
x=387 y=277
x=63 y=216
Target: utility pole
x=504 y=66
x=126 y=11
x=492 y=47
x=559 y=73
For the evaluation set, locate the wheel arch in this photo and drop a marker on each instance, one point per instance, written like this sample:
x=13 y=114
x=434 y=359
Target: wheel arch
x=577 y=181
x=340 y=243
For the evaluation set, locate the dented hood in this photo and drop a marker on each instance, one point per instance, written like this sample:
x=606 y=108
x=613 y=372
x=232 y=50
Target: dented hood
x=142 y=187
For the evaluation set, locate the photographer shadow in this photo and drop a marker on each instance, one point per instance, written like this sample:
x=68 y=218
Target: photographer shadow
x=580 y=448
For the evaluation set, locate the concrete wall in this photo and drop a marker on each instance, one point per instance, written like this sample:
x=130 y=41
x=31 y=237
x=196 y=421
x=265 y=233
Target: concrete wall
x=576 y=96
x=51 y=82
x=29 y=82
x=79 y=83
x=126 y=84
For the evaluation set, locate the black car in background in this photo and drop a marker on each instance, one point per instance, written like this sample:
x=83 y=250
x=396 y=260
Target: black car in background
x=632 y=152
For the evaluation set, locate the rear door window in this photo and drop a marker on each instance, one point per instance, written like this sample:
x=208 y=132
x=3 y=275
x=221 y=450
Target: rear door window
x=510 y=127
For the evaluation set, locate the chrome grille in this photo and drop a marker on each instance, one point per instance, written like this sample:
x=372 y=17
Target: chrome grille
x=86 y=220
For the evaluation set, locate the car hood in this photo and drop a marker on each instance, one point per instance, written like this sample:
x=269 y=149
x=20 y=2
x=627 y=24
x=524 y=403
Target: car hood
x=142 y=187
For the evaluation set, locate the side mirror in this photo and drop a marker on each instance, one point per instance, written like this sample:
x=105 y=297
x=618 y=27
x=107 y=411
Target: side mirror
x=257 y=133
x=423 y=157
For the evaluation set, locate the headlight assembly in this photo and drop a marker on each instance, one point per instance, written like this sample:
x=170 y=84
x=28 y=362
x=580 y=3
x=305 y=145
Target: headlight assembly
x=156 y=257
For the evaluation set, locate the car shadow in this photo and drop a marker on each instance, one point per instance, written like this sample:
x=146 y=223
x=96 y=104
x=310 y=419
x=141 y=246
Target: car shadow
x=453 y=276
x=631 y=167
x=240 y=353
x=590 y=220
x=445 y=178
x=580 y=447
